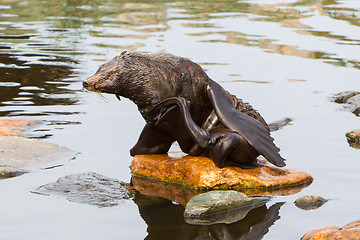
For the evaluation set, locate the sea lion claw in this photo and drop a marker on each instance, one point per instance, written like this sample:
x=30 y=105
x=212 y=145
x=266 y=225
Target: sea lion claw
x=118 y=97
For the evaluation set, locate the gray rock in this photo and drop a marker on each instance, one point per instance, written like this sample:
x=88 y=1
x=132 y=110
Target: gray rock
x=353 y=104
x=89 y=188
x=277 y=125
x=343 y=97
x=350 y=99
x=310 y=202
x=19 y=155
x=220 y=207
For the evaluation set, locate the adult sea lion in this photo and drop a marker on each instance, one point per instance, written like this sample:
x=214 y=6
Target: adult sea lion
x=179 y=102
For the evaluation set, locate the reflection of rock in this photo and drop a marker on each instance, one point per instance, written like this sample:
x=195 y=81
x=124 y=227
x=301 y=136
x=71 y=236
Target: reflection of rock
x=18 y=155
x=201 y=173
x=349 y=231
x=350 y=99
x=310 y=202
x=173 y=192
x=89 y=188
x=209 y=208
x=165 y=221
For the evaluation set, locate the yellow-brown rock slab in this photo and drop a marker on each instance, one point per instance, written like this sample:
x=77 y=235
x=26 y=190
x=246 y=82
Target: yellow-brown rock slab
x=201 y=173
x=182 y=194
x=12 y=127
x=349 y=231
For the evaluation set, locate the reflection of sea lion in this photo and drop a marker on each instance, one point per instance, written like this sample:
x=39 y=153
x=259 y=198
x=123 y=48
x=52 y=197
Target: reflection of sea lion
x=176 y=97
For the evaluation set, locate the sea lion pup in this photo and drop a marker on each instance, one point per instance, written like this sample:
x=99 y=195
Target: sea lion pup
x=179 y=102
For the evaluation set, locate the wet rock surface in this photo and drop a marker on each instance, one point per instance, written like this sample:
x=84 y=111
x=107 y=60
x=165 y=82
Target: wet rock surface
x=89 y=188
x=19 y=155
x=353 y=135
x=277 y=125
x=209 y=208
x=349 y=231
x=10 y=127
x=310 y=202
x=201 y=173
x=353 y=138
x=350 y=101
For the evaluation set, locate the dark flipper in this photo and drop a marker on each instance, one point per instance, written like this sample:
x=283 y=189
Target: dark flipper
x=199 y=135
x=251 y=129
x=152 y=141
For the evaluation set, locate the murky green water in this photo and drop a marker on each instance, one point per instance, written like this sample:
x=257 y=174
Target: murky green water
x=285 y=57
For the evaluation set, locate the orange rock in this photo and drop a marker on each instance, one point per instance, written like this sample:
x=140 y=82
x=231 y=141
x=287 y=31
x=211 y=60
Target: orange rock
x=201 y=173
x=12 y=127
x=182 y=194
x=349 y=231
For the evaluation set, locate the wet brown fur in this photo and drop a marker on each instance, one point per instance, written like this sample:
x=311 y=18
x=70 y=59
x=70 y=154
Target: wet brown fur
x=148 y=79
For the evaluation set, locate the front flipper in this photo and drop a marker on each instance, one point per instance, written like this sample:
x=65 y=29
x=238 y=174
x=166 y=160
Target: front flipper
x=152 y=141
x=251 y=129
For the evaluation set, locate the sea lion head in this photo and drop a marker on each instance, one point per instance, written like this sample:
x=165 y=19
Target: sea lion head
x=148 y=79
x=117 y=77
x=143 y=78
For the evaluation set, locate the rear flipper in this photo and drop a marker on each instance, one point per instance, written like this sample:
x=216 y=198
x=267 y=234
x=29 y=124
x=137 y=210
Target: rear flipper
x=224 y=147
x=231 y=149
x=249 y=128
x=200 y=136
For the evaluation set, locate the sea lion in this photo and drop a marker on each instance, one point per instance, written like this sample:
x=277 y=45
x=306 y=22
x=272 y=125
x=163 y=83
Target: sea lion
x=175 y=97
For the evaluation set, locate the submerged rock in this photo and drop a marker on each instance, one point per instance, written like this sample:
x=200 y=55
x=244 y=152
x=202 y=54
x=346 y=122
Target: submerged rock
x=310 y=202
x=19 y=155
x=349 y=231
x=201 y=173
x=204 y=209
x=89 y=188
x=13 y=127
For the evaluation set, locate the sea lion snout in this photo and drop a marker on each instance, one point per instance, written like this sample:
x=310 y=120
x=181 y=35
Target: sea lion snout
x=91 y=83
x=85 y=84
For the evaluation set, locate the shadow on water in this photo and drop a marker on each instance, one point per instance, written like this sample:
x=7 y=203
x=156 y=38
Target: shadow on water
x=165 y=220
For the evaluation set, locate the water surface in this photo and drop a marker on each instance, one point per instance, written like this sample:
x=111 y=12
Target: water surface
x=285 y=57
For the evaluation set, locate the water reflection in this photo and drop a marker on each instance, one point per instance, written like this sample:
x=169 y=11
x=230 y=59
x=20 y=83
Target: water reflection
x=26 y=80
x=40 y=52
x=165 y=220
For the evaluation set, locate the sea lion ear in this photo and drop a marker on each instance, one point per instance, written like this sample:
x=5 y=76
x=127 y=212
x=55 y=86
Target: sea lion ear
x=123 y=53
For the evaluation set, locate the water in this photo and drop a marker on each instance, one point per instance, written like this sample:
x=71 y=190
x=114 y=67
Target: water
x=285 y=57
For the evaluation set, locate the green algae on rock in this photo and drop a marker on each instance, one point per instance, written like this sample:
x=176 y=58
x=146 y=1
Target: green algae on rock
x=204 y=209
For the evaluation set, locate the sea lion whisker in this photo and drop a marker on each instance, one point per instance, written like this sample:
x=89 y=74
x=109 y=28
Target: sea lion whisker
x=102 y=97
